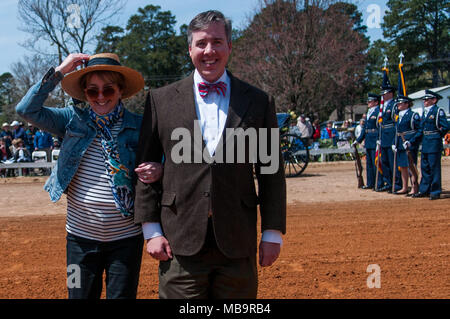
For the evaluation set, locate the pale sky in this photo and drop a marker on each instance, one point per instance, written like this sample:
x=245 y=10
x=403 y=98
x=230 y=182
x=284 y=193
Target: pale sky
x=184 y=10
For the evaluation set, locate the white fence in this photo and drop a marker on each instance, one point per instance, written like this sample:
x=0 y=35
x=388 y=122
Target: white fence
x=312 y=152
x=19 y=166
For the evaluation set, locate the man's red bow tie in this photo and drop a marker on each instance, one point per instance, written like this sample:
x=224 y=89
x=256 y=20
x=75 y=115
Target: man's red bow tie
x=205 y=88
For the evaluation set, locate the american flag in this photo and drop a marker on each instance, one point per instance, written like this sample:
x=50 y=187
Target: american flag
x=378 y=159
x=378 y=150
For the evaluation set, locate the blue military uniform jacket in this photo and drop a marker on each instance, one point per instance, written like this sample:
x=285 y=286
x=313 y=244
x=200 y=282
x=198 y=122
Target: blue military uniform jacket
x=433 y=126
x=370 y=131
x=388 y=125
x=409 y=125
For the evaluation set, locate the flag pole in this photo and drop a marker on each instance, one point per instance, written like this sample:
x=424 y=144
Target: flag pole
x=400 y=65
x=402 y=80
x=379 y=122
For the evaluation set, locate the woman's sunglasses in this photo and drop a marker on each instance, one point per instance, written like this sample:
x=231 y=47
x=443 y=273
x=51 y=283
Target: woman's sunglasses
x=107 y=92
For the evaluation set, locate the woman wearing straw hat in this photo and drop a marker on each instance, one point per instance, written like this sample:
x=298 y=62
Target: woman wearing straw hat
x=95 y=169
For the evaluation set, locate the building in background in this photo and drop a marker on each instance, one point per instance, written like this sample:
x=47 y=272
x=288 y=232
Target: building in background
x=354 y=112
x=444 y=103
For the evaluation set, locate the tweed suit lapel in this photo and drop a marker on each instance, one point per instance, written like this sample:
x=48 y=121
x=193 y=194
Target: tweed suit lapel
x=187 y=111
x=239 y=104
x=184 y=100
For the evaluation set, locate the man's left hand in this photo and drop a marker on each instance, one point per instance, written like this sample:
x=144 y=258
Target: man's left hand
x=268 y=253
x=149 y=172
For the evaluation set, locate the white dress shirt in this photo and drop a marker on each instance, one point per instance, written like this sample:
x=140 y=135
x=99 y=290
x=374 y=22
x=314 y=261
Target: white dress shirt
x=401 y=114
x=212 y=112
x=370 y=112
x=427 y=109
x=386 y=103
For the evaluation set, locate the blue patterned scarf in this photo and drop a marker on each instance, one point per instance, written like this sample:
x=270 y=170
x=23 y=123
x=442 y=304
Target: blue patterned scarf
x=118 y=175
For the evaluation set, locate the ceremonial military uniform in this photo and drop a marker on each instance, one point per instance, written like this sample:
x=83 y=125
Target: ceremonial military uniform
x=407 y=141
x=387 y=140
x=408 y=125
x=433 y=126
x=369 y=134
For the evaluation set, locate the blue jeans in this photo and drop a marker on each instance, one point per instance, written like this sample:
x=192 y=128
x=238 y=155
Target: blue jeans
x=88 y=259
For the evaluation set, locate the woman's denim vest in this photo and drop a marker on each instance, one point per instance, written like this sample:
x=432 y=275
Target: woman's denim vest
x=78 y=130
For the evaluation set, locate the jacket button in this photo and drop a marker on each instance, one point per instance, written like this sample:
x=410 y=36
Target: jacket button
x=206 y=194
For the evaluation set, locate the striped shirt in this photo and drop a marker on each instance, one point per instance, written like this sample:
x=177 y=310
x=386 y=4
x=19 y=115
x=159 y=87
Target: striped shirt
x=91 y=210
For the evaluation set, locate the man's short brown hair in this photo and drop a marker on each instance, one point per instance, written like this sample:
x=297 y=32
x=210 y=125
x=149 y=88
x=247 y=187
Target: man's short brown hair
x=204 y=19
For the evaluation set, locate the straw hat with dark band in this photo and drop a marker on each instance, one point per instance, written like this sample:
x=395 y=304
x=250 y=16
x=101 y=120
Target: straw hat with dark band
x=134 y=82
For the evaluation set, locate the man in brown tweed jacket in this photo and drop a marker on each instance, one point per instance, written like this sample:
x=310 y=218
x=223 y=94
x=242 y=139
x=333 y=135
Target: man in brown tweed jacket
x=200 y=220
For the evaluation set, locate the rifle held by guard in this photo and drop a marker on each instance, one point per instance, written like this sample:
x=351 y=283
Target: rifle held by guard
x=358 y=168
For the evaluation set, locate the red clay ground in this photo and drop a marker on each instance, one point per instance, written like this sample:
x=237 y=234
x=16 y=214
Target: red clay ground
x=334 y=231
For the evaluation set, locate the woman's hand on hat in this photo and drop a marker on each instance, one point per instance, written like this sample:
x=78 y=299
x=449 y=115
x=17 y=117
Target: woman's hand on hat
x=72 y=61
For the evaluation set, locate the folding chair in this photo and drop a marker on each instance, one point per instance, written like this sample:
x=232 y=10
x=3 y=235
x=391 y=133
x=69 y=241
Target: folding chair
x=55 y=155
x=38 y=157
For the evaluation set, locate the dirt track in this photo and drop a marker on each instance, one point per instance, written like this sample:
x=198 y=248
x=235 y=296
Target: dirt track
x=335 y=232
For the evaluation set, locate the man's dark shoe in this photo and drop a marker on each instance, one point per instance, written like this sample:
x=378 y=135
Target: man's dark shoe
x=419 y=194
x=433 y=197
x=367 y=187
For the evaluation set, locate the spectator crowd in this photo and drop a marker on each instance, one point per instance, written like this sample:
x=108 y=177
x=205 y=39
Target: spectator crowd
x=17 y=144
x=333 y=134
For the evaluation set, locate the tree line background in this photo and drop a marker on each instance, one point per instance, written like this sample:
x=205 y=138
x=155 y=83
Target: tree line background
x=313 y=56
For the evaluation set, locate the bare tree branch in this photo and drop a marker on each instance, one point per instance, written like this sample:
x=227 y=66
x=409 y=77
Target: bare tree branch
x=304 y=53
x=49 y=21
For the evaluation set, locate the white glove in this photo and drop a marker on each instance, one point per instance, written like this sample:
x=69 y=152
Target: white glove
x=378 y=142
x=354 y=143
x=406 y=145
x=394 y=148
